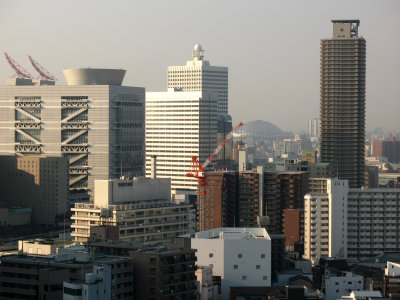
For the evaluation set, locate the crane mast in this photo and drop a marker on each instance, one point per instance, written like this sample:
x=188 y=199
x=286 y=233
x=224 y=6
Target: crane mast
x=197 y=171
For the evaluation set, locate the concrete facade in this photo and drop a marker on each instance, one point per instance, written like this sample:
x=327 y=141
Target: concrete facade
x=325 y=222
x=45 y=185
x=179 y=125
x=199 y=75
x=140 y=208
x=239 y=256
x=99 y=128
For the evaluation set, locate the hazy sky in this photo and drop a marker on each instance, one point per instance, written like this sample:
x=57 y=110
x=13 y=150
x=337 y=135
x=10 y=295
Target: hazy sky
x=270 y=47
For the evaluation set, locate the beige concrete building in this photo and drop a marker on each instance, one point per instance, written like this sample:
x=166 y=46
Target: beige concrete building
x=94 y=121
x=39 y=183
x=140 y=208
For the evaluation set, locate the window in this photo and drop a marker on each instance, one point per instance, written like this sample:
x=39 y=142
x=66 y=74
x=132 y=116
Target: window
x=244 y=277
x=258 y=267
x=265 y=277
x=240 y=255
x=211 y=255
x=235 y=266
x=336 y=283
x=263 y=255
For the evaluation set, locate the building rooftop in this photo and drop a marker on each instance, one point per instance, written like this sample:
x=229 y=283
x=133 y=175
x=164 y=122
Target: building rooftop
x=225 y=233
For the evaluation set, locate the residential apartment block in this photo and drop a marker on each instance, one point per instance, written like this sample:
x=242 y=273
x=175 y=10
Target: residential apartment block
x=355 y=224
x=342 y=105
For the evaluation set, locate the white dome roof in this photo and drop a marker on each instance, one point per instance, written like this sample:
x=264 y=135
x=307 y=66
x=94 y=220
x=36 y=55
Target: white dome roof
x=197 y=47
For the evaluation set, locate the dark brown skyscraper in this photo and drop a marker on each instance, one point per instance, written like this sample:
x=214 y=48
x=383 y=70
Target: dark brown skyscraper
x=343 y=101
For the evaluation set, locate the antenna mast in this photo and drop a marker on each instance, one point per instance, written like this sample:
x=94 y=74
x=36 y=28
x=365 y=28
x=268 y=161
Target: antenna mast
x=43 y=73
x=20 y=72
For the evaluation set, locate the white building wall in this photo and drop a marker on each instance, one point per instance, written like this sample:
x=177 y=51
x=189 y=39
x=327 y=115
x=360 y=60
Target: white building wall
x=179 y=125
x=241 y=256
x=98 y=156
x=199 y=75
x=325 y=222
x=338 y=286
x=392 y=269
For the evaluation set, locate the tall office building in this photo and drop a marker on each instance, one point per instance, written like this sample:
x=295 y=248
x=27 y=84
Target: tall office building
x=93 y=121
x=199 y=75
x=342 y=103
x=179 y=125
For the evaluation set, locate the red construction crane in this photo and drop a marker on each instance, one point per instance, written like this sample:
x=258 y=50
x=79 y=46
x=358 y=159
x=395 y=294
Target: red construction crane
x=19 y=70
x=43 y=73
x=197 y=170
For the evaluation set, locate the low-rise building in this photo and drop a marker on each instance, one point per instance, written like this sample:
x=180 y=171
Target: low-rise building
x=392 y=280
x=28 y=276
x=15 y=216
x=206 y=290
x=141 y=208
x=336 y=283
x=238 y=256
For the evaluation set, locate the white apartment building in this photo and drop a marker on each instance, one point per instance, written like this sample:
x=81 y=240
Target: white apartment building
x=96 y=286
x=141 y=208
x=95 y=122
x=179 y=125
x=373 y=222
x=239 y=256
x=355 y=224
x=337 y=284
x=199 y=75
x=325 y=221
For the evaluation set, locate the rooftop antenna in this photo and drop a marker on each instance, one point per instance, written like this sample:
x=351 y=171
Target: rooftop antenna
x=43 y=73
x=20 y=72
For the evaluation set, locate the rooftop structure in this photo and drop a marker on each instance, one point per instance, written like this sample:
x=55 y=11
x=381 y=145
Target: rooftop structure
x=199 y=75
x=88 y=76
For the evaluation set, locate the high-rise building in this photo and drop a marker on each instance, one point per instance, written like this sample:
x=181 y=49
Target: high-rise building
x=36 y=182
x=325 y=221
x=389 y=148
x=179 y=125
x=93 y=121
x=313 y=127
x=342 y=106
x=199 y=75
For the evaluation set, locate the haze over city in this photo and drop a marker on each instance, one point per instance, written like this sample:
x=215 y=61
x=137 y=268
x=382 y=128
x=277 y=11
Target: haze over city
x=272 y=49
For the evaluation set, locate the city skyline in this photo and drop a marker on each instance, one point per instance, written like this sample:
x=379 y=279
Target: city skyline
x=273 y=61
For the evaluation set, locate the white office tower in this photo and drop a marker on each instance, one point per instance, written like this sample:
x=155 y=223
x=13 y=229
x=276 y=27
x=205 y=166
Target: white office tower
x=238 y=256
x=325 y=221
x=199 y=75
x=138 y=210
x=179 y=125
x=93 y=120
